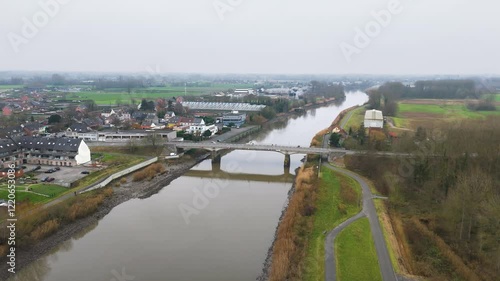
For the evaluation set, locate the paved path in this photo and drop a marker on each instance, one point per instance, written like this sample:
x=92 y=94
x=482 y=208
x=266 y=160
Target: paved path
x=369 y=210
x=346 y=118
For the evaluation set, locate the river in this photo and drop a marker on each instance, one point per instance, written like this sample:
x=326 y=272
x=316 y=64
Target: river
x=201 y=226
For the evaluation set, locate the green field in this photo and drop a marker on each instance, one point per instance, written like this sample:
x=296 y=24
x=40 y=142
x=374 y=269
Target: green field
x=7 y=87
x=51 y=190
x=112 y=97
x=326 y=218
x=449 y=111
x=355 y=253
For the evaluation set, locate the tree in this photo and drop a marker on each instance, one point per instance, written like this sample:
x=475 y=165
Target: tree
x=207 y=134
x=115 y=121
x=179 y=109
x=335 y=139
x=55 y=118
x=58 y=80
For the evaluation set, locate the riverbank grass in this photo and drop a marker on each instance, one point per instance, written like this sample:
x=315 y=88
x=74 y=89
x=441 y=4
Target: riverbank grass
x=357 y=118
x=355 y=253
x=337 y=200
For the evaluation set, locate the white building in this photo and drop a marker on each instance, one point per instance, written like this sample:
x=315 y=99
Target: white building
x=374 y=119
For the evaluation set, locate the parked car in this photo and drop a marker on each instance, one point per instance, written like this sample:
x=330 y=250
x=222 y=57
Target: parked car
x=50 y=171
x=45 y=179
x=85 y=172
x=51 y=179
x=37 y=168
x=57 y=168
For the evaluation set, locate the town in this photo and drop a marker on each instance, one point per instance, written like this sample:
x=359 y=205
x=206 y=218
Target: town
x=249 y=140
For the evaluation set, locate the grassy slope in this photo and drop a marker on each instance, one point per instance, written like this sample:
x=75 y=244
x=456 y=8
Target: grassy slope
x=355 y=253
x=356 y=119
x=326 y=218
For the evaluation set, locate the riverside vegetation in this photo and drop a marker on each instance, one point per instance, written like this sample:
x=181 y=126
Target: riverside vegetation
x=444 y=203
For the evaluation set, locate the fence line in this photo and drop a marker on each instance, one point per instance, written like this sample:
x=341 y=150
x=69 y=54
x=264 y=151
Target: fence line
x=120 y=174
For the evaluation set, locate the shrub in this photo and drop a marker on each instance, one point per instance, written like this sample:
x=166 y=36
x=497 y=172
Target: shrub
x=45 y=229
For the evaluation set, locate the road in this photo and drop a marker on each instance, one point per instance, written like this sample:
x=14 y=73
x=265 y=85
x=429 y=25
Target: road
x=369 y=210
x=262 y=147
x=346 y=118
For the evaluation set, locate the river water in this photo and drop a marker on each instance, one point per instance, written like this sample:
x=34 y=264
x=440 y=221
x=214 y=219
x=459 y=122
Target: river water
x=214 y=223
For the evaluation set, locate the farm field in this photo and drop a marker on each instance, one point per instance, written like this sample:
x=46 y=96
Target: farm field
x=413 y=113
x=355 y=253
x=6 y=87
x=110 y=97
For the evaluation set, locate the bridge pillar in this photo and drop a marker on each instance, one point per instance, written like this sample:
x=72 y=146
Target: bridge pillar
x=216 y=167
x=216 y=157
x=286 y=170
x=287 y=160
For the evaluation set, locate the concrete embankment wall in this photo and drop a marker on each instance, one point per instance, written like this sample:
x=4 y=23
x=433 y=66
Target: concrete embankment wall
x=121 y=174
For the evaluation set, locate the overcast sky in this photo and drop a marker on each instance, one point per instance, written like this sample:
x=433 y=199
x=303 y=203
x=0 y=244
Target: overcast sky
x=256 y=36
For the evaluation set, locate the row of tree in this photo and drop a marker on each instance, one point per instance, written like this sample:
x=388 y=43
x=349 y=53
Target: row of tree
x=452 y=185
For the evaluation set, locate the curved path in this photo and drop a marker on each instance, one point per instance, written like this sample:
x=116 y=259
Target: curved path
x=369 y=210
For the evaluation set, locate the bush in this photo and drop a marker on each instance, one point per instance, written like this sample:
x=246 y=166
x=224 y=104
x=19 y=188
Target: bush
x=149 y=172
x=45 y=229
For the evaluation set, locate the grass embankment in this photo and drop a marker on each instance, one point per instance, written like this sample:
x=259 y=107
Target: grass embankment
x=338 y=199
x=357 y=118
x=291 y=240
x=115 y=163
x=355 y=253
x=39 y=225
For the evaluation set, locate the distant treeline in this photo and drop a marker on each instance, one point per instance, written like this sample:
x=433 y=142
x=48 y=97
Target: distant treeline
x=444 y=89
x=385 y=98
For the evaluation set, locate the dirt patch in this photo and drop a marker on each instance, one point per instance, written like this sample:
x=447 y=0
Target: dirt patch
x=434 y=102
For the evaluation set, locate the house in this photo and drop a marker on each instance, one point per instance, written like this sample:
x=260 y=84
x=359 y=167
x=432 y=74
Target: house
x=33 y=129
x=44 y=151
x=340 y=131
x=10 y=153
x=107 y=113
x=169 y=115
x=54 y=151
x=7 y=111
x=234 y=119
x=93 y=123
x=374 y=119
x=81 y=131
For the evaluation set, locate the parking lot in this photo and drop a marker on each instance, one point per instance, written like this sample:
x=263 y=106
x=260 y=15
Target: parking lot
x=65 y=176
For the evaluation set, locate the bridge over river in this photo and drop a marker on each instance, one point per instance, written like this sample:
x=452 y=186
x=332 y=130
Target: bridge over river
x=286 y=150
